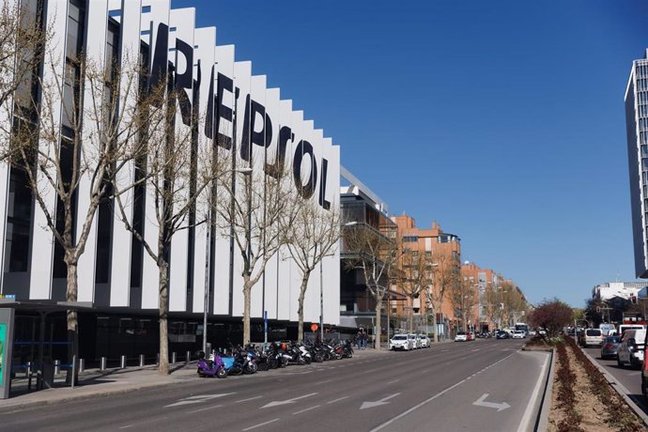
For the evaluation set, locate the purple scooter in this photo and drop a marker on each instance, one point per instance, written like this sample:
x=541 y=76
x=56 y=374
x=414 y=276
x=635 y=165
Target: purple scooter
x=211 y=368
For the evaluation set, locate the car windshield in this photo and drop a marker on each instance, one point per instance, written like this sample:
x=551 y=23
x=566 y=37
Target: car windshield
x=399 y=337
x=593 y=332
x=461 y=334
x=613 y=339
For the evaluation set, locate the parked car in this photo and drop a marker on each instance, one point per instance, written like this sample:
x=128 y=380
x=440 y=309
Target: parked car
x=610 y=346
x=416 y=342
x=518 y=334
x=591 y=336
x=502 y=335
x=631 y=348
x=400 y=342
x=461 y=337
x=425 y=341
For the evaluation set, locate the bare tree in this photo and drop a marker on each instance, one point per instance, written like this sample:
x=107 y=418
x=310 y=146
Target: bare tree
x=415 y=277
x=490 y=302
x=179 y=169
x=73 y=160
x=22 y=40
x=375 y=254
x=310 y=234
x=445 y=272
x=463 y=298
x=248 y=209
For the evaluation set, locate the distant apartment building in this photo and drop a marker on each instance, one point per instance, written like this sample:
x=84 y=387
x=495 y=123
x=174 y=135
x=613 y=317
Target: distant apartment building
x=480 y=280
x=440 y=253
x=636 y=109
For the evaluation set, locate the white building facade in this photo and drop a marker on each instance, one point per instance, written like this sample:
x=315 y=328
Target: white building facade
x=115 y=273
x=636 y=109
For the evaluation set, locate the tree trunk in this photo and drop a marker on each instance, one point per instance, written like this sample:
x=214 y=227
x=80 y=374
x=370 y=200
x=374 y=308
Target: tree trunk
x=163 y=268
x=247 y=289
x=435 y=325
x=378 y=329
x=300 y=306
x=72 y=317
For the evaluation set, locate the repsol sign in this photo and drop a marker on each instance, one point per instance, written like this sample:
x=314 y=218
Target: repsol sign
x=253 y=134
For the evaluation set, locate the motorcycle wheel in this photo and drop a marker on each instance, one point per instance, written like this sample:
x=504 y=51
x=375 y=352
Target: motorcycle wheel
x=318 y=358
x=222 y=373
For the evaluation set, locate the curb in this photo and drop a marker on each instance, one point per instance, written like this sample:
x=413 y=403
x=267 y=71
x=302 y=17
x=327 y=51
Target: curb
x=542 y=421
x=619 y=388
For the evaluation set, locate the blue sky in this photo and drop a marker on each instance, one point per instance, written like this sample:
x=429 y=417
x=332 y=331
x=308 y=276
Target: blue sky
x=502 y=121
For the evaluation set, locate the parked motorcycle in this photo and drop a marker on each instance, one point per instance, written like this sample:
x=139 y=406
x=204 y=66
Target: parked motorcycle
x=213 y=367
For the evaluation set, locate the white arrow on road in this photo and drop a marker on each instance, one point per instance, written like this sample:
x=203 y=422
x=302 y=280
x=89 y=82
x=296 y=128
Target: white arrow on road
x=197 y=399
x=499 y=406
x=382 y=401
x=286 y=402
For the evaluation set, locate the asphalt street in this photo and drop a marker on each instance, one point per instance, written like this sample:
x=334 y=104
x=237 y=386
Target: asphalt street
x=628 y=377
x=485 y=385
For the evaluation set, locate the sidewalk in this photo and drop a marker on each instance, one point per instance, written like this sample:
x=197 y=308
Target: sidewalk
x=94 y=382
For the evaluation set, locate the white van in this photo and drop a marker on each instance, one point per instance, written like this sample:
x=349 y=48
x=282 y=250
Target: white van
x=631 y=348
x=624 y=327
x=592 y=337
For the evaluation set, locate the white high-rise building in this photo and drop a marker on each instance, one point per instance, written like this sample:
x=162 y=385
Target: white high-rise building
x=636 y=108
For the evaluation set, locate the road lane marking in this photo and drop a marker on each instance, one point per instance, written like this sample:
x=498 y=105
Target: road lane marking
x=482 y=403
x=260 y=424
x=436 y=396
x=374 y=404
x=197 y=399
x=337 y=400
x=307 y=409
x=525 y=424
x=204 y=409
x=126 y=427
x=287 y=401
x=323 y=382
x=249 y=399
x=396 y=380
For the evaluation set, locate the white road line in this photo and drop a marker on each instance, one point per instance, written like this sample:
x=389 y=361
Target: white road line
x=425 y=402
x=249 y=399
x=525 y=424
x=323 y=382
x=204 y=409
x=126 y=427
x=307 y=409
x=260 y=424
x=337 y=400
x=396 y=380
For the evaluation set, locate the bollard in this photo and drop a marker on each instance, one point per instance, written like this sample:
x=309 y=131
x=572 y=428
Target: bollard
x=29 y=375
x=123 y=362
x=81 y=365
x=57 y=367
x=104 y=360
x=188 y=356
x=74 y=375
x=173 y=357
x=141 y=360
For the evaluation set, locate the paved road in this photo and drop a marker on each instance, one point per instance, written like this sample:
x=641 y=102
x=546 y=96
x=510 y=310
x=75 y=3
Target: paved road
x=629 y=377
x=481 y=385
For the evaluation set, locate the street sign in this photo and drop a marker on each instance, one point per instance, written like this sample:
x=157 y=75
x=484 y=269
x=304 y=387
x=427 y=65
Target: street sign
x=314 y=327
